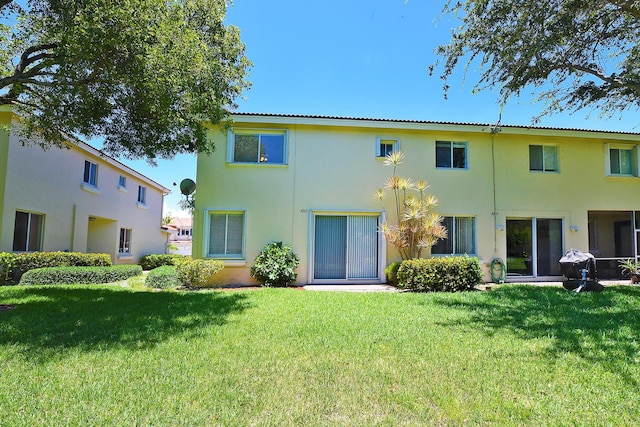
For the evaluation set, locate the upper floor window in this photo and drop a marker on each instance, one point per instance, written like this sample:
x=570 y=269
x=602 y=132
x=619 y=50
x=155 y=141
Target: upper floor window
x=621 y=160
x=226 y=234
x=543 y=158
x=90 y=173
x=261 y=147
x=122 y=181
x=461 y=237
x=451 y=154
x=27 y=232
x=385 y=146
x=142 y=195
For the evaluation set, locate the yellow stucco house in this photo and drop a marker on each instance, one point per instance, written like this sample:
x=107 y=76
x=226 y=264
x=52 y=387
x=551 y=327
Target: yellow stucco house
x=75 y=199
x=521 y=194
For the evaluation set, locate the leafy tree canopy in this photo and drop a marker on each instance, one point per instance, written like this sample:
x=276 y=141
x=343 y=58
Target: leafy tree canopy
x=143 y=74
x=575 y=53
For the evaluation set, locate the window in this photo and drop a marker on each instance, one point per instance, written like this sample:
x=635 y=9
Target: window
x=90 y=173
x=543 y=158
x=122 y=182
x=142 y=195
x=621 y=161
x=226 y=234
x=451 y=155
x=264 y=147
x=27 y=232
x=124 y=247
x=386 y=146
x=461 y=237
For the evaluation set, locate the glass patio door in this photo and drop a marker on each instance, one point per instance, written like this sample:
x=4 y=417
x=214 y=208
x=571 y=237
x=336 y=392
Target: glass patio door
x=345 y=247
x=534 y=246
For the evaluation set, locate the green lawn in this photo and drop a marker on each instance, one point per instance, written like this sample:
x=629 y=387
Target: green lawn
x=517 y=355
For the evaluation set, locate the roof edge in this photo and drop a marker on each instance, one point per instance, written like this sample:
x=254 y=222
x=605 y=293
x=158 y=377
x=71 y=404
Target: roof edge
x=486 y=127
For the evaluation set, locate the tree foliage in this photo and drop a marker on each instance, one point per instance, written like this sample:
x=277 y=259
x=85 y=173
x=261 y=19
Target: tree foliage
x=143 y=74
x=575 y=53
x=416 y=228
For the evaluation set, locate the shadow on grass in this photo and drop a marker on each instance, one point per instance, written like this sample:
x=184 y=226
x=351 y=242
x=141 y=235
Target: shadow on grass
x=601 y=327
x=51 y=320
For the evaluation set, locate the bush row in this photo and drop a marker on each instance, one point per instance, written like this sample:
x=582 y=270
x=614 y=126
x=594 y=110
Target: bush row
x=149 y=262
x=80 y=275
x=13 y=266
x=188 y=272
x=444 y=274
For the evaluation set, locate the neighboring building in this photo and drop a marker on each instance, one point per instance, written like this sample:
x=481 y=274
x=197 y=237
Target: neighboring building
x=184 y=229
x=75 y=199
x=522 y=194
x=181 y=230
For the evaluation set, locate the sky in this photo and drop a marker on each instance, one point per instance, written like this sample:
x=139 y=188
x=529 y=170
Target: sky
x=361 y=58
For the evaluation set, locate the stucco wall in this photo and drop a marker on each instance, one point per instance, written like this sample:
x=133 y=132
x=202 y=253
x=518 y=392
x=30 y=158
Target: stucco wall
x=334 y=168
x=51 y=183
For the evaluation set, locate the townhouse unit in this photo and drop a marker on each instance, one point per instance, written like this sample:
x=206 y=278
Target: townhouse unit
x=75 y=199
x=521 y=194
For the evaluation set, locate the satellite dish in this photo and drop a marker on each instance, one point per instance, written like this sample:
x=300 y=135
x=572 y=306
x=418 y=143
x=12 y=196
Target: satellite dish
x=187 y=187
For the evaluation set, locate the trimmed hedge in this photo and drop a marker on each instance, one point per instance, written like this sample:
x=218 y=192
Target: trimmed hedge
x=446 y=274
x=391 y=273
x=149 y=262
x=197 y=273
x=13 y=266
x=163 y=277
x=79 y=275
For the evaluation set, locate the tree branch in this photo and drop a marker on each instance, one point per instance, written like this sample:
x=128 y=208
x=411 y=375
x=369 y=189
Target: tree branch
x=627 y=6
x=26 y=59
x=612 y=81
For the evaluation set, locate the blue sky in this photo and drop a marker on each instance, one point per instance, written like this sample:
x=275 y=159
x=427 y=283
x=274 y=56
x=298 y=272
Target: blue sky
x=361 y=58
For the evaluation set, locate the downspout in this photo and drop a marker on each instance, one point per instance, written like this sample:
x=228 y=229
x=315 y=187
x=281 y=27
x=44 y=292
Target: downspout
x=495 y=129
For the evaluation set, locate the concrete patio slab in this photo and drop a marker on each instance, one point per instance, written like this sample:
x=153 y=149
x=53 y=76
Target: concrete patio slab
x=352 y=288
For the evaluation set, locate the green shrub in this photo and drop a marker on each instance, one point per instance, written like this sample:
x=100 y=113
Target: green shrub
x=446 y=274
x=275 y=265
x=391 y=273
x=13 y=266
x=149 y=262
x=197 y=273
x=163 y=277
x=79 y=275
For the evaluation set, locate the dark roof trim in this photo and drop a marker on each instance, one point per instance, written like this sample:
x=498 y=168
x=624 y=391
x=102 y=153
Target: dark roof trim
x=430 y=122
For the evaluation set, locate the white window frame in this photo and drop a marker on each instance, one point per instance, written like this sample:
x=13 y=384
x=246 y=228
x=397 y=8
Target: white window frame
x=231 y=138
x=395 y=142
x=92 y=178
x=207 y=230
x=451 y=147
x=544 y=166
x=124 y=247
x=451 y=234
x=29 y=222
x=634 y=158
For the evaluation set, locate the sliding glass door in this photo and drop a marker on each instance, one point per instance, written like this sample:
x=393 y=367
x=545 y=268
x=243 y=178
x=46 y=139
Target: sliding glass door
x=345 y=247
x=534 y=247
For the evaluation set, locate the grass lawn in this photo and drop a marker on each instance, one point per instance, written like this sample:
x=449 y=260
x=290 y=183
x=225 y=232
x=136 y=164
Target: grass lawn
x=517 y=355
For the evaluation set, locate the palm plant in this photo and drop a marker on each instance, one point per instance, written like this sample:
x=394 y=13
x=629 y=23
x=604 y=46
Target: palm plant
x=417 y=228
x=631 y=268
